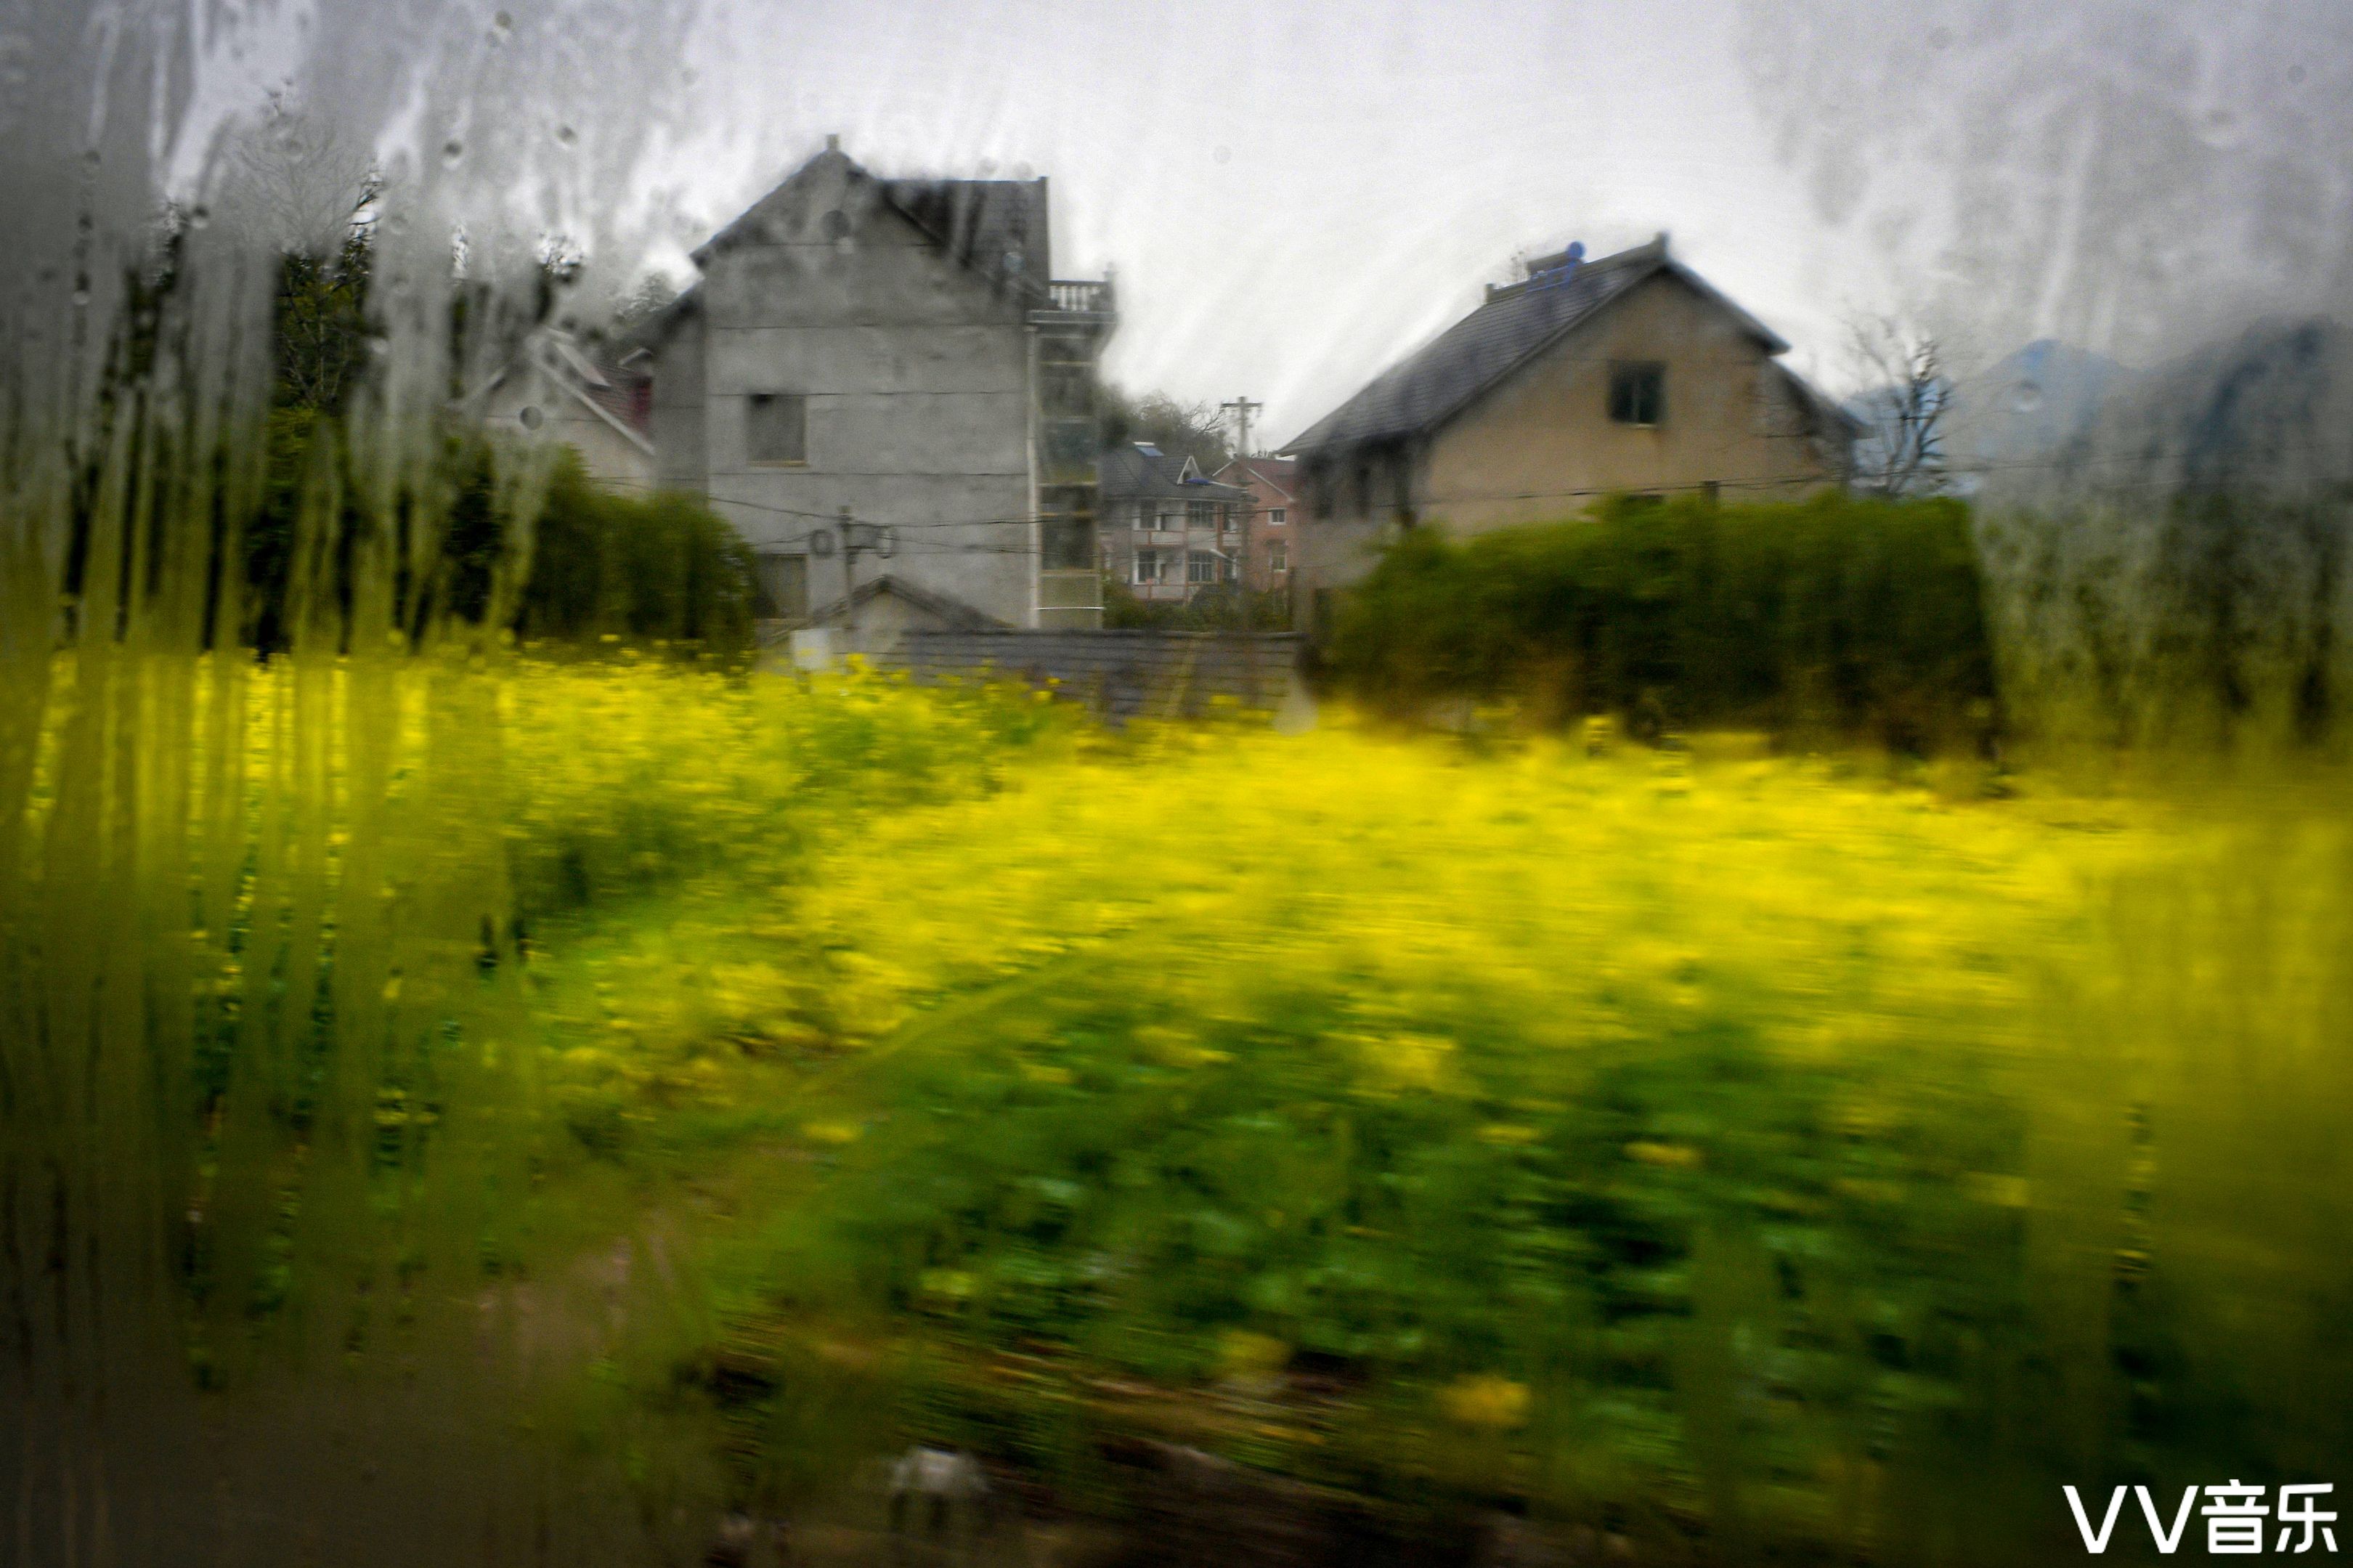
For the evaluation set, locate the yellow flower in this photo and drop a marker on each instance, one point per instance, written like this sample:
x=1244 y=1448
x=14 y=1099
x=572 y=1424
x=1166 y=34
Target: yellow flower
x=1486 y=1400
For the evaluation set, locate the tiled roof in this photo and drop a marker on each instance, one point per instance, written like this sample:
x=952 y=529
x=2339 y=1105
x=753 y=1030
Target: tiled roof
x=1128 y=473
x=1279 y=474
x=996 y=228
x=1514 y=323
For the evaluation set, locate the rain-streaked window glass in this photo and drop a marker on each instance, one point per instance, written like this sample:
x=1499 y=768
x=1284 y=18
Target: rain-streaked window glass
x=582 y=978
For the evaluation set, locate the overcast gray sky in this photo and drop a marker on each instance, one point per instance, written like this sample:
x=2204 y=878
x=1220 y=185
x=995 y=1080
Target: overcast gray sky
x=1295 y=191
x=1292 y=195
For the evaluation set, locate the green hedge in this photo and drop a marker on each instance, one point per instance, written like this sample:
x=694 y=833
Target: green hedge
x=638 y=568
x=1836 y=614
x=658 y=568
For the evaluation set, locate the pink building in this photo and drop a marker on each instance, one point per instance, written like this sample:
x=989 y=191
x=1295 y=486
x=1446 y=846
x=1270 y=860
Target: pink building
x=1273 y=486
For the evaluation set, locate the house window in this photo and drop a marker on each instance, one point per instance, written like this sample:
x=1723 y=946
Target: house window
x=1066 y=544
x=1199 y=514
x=1274 y=517
x=1150 y=566
x=1278 y=555
x=775 y=427
x=1637 y=393
x=784 y=586
x=1200 y=566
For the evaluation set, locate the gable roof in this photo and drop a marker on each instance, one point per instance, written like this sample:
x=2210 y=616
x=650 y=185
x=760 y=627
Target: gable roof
x=603 y=388
x=1827 y=411
x=952 y=613
x=996 y=227
x=1129 y=473
x=1515 y=323
x=1279 y=475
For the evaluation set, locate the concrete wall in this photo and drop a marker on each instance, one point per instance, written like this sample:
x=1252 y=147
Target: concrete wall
x=917 y=373
x=681 y=460
x=1540 y=445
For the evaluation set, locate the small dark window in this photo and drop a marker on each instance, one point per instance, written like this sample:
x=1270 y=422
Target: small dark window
x=775 y=427
x=1637 y=393
x=784 y=586
x=1068 y=544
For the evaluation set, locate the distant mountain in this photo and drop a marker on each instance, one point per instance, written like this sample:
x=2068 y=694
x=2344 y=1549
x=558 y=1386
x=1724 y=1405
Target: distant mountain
x=2267 y=411
x=2025 y=408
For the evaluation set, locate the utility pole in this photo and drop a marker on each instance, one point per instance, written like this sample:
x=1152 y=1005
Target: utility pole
x=849 y=575
x=1241 y=408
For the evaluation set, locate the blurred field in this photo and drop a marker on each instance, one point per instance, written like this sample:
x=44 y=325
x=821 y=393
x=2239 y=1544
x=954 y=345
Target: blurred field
x=1721 y=1151
x=657 y=1091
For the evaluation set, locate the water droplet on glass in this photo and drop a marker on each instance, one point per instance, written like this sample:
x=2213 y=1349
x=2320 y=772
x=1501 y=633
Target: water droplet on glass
x=565 y=134
x=1940 y=38
x=81 y=292
x=1223 y=155
x=530 y=417
x=199 y=217
x=503 y=22
x=2027 y=398
x=92 y=159
x=379 y=346
x=452 y=151
x=2295 y=75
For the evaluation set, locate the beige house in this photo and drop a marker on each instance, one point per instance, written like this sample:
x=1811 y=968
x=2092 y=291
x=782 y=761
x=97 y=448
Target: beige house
x=1629 y=373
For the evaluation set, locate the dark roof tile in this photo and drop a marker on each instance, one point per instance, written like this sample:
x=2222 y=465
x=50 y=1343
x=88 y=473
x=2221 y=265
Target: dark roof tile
x=1124 y=473
x=1430 y=384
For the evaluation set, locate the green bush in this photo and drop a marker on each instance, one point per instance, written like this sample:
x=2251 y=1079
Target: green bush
x=661 y=568
x=1833 y=615
x=658 y=568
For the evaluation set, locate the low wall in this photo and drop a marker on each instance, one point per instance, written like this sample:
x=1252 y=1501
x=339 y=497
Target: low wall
x=1122 y=674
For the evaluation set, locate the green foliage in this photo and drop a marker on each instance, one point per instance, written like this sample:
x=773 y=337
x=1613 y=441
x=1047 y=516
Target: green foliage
x=1834 y=615
x=320 y=324
x=1190 y=429
x=660 y=568
x=2203 y=622
x=1222 y=607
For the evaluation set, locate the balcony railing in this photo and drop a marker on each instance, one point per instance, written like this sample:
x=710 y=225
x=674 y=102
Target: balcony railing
x=1082 y=297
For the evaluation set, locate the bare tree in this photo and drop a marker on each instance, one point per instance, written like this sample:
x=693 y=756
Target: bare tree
x=1906 y=398
x=295 y=184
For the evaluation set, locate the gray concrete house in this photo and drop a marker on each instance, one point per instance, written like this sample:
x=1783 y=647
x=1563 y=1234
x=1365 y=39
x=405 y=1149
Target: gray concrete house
x=880 y=383
x=1167 y=532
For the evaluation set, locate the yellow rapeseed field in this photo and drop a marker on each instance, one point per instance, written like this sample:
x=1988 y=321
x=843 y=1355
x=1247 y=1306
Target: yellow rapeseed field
x=1696 y=1138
